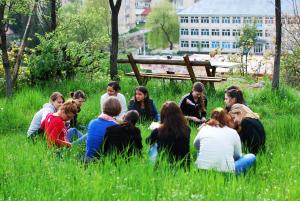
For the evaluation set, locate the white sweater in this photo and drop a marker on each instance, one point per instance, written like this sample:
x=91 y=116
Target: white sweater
x=122 y=100
x=217 y=148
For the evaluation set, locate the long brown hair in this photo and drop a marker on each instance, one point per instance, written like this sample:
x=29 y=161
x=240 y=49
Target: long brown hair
x=148 y=108
x=220 y=118
x=172 y=120
x=199 y=87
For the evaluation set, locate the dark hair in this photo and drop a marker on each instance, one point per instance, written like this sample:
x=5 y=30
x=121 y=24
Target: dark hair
x=78 y=94
x=115 y=85
x=69 y=106
x=237 y=94
x=148 y=109
x=131 y=117
x=55 y=95
x=232 y=87
x=199 y=87
x=221 y=118
x=172 y=120
x=112 y=107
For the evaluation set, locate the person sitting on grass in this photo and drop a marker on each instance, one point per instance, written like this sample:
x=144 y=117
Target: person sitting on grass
x=79 y=97
x=249 y=127
x=97 y=128
x=56 y=100
x=125 y=138
x=233 y=95
x=54 y=125
x=219 y=145
x=113 y=89
x=173 y=135
x=193 y=105
x=142 y=103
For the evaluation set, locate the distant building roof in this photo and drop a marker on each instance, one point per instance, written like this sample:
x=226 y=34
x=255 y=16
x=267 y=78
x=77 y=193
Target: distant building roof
x=146 y=11
x=238 y=8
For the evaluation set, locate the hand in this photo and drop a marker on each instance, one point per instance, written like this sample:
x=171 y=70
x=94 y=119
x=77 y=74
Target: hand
x=189 y=102
x=203 y=120
x=195 y=119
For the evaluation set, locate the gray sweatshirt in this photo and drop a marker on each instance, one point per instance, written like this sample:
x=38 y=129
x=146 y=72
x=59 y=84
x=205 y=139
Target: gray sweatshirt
x=39 y=117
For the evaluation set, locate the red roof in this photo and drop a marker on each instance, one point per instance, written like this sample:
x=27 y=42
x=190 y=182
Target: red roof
x=146 y=11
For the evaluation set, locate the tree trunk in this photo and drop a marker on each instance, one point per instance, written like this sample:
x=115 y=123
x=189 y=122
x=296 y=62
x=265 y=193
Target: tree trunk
x=53 y=15
x=276 y=71
x=167 y=36
x=5 y=60
x=246 y=64
x=115 y=8
x=22 y=47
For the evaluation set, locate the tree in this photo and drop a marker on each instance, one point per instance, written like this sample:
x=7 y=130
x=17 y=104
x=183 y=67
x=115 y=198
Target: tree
x=163 y=25
x=115 y=8
x=8 y=9
x=53 y=15
x=276 y=72
x=246 y=41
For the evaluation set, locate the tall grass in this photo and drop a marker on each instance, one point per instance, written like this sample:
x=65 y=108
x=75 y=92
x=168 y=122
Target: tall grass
x=30 y=171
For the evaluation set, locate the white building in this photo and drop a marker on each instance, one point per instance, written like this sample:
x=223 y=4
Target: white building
x=126 y=16
x=211 y=24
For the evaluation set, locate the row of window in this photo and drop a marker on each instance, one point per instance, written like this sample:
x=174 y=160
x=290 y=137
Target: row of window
x=218 y=44
x=227 y=20
x=207 y=44
x=224 y=32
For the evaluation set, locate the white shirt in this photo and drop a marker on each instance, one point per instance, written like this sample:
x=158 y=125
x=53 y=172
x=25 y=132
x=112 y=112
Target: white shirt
x=122 y=100
x=218 y=148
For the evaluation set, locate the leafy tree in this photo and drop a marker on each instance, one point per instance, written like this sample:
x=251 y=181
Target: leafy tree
x=246 y=41
x=8 y=9
x=163 y=25
x=276 y=72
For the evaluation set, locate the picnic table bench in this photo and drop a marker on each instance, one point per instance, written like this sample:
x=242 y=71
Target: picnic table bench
x=143 y=77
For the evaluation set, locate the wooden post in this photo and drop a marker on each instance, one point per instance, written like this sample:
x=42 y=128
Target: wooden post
x=189 y=68
x=135 y=69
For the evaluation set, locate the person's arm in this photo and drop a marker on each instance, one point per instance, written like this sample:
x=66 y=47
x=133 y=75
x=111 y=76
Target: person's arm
x=123 y=105
x=155 y=113
x=131 y=105
x=237 y=153
x=153 y=137
x=54 y=134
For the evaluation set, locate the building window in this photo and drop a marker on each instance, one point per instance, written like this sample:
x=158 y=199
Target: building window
x=226 y=45
x=215 y=20
x=184 y=32
x=236 y=20
x=258 y=48
x=259 y=20
x=184 y=20
x=235 y=45
x=194 y=32
x=215 y=32
x=268 y=33
x=247 y=20
x=184 y=43
x=226 y=20
x=215 y=44
x=195 y=44
x=204 y=44
x=194 y=20
x=204 y=20
x=236 y=32
x=204 y=32
x=269 y=20
x=225 y=32
x=259 y=33
x=267 y=46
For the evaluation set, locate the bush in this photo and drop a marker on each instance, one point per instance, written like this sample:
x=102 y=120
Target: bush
x=291 y=67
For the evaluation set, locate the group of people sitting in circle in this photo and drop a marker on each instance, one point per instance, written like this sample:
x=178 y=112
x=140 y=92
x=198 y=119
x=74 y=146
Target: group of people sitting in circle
x=218 y=143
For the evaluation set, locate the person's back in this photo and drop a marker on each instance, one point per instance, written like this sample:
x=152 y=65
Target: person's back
x=39 y=117
x=123 y=138
x=217 y=148
x=252 y=135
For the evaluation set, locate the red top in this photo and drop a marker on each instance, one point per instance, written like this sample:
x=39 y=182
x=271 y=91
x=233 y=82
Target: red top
x=55 y=131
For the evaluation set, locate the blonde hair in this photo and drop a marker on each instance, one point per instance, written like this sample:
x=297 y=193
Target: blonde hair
x=69 y=106
x=244 y=110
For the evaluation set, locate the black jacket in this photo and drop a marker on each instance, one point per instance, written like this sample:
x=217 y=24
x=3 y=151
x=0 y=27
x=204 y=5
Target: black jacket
x=192 y=110
x=122 y=139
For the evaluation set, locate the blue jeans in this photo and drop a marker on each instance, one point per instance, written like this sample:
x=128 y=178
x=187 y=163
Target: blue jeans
x=244 y=163
x=75 y=136
x=153 y=153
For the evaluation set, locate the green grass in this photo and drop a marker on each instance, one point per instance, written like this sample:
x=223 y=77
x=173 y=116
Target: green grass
x=30 y=171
